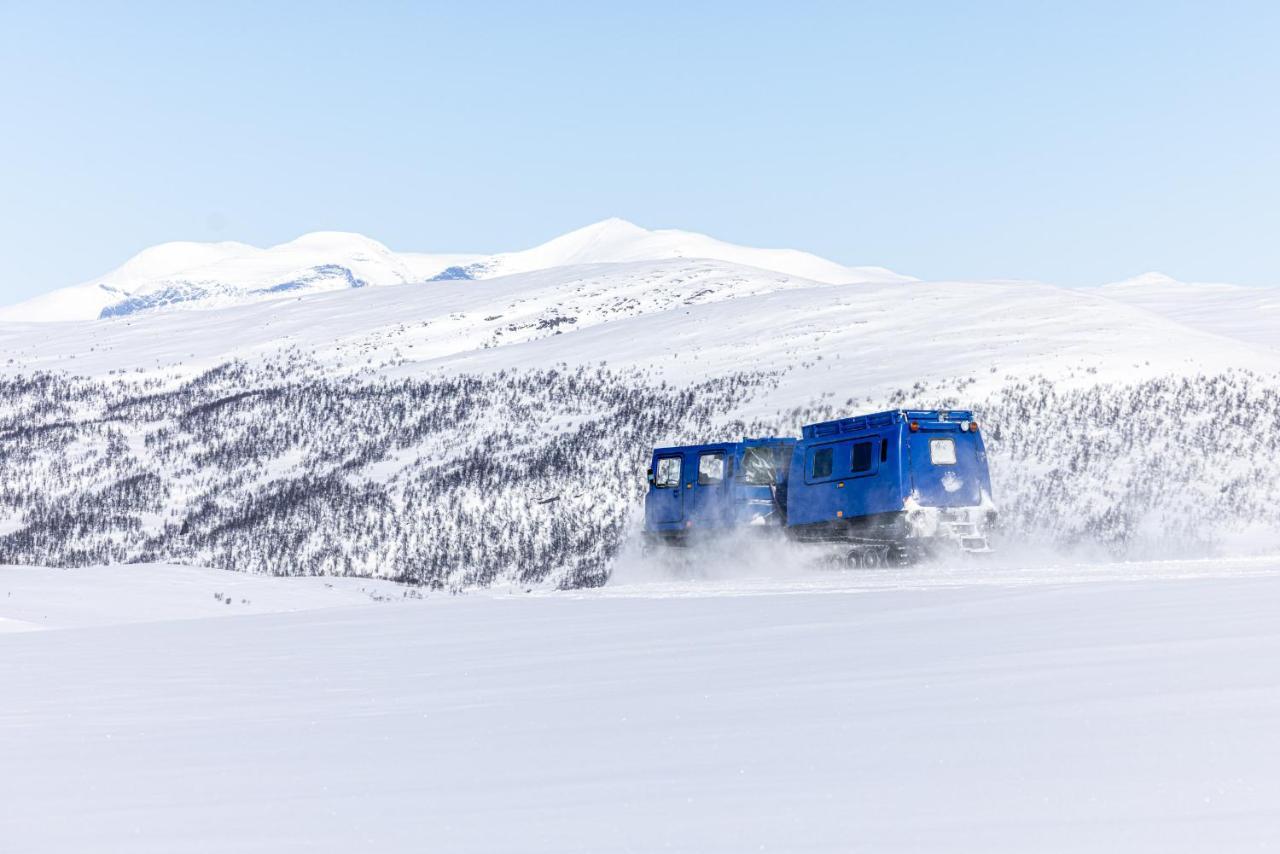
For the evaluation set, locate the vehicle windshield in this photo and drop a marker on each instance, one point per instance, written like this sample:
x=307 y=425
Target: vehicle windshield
x=759 y=466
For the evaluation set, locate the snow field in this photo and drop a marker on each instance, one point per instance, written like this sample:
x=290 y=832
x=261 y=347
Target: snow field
x=35 y=598
x=1136 y=714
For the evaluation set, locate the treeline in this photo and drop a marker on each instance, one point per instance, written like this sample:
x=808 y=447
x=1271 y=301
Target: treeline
x=536 y=476
x=520 y=475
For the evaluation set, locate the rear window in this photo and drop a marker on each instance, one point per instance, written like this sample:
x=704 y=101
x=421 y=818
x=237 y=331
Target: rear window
x=711 y=468
x=822 y=463
x=668 y=473
x=942 y=452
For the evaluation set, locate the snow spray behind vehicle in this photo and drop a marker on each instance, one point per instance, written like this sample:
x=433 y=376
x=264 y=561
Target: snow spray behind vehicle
x=891 y=487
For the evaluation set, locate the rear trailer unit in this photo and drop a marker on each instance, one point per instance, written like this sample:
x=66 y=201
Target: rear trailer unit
x=886 y=488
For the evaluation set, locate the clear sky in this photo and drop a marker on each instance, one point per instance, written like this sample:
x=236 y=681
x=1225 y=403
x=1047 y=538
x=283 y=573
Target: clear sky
x=1069 y=142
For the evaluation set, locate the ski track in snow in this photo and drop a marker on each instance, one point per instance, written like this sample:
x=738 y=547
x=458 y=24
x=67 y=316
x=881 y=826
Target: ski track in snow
x=1055 y=708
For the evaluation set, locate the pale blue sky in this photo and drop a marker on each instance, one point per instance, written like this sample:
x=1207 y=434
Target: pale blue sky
x=1077 y=144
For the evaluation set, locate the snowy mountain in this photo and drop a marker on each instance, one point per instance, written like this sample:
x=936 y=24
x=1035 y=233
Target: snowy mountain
x=201 y=276
x=690 y=320
x=616 y=240
x=198 y=275
x=491 y=423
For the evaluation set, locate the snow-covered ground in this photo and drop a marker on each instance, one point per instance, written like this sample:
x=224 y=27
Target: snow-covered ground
x=1013 y=707
x=41 y=598
x=482 y=426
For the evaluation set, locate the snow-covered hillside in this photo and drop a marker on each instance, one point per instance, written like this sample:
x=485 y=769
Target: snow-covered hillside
x=1232 y=311
x=462 y=431
x=197 y=275
x=685 y=318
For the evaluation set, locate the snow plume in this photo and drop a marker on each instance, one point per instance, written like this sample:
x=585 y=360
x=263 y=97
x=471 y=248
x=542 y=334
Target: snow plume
x=536 y=477
x=751 y=553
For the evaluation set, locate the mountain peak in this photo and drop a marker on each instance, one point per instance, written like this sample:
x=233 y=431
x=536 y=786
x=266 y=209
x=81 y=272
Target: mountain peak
x=332 y=241
x=611 y=226
x=167 y=259
x=1149 y=279
x=186 y=275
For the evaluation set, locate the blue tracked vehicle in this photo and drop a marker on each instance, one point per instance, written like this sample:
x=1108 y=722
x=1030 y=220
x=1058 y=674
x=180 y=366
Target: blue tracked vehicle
x=887 y=488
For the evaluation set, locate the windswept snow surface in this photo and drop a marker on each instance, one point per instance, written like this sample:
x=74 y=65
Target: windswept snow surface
x=42 y=598
x=1001 y=709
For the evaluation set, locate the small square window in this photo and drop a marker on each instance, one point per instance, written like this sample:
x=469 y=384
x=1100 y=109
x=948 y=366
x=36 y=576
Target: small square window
x=668 y=476
x=942 y=452
x=710 y=468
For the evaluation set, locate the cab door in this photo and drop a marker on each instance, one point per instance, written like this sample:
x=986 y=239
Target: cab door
x=664 y=503
x=707 y=502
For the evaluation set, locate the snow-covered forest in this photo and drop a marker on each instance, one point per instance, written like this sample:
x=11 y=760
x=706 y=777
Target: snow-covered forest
x=536 y=475
x=459 y=430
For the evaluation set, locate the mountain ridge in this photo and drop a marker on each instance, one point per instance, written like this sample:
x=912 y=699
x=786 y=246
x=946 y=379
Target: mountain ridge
x=190 y=275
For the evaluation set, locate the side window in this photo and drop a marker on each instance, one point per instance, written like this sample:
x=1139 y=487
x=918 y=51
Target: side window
x=822 y=463
x=668 y=473
x=861 y=457
x=942 y=452
x=884 y=450
x=758 y=466
x=710 y=468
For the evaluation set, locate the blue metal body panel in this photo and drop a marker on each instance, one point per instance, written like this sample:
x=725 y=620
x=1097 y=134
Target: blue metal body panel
x=901 y=467
x=870 y=467
x=700 y=502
